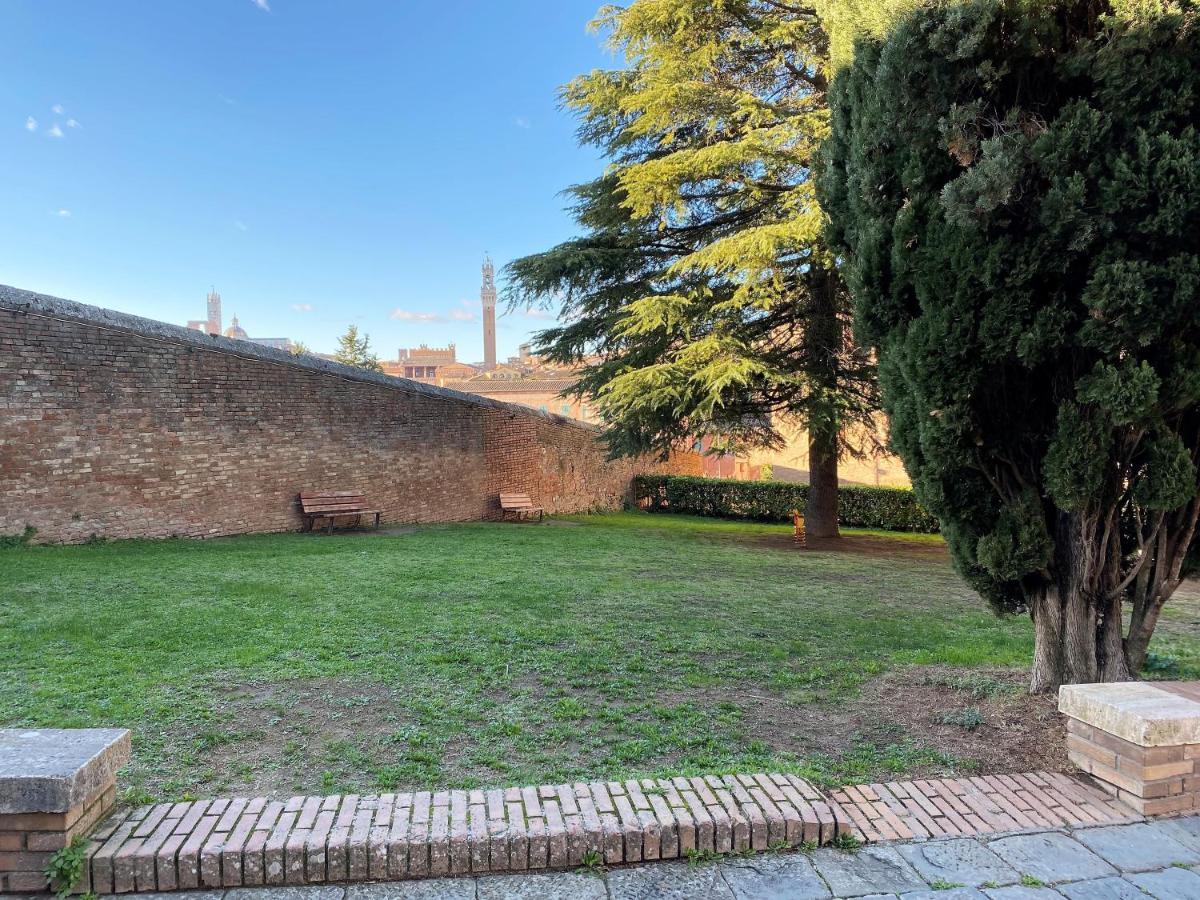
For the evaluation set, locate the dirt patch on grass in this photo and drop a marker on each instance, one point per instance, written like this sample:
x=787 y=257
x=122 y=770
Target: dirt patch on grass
x=345 y=735
x=281 y=738
x=897 y=546
x=983 y=718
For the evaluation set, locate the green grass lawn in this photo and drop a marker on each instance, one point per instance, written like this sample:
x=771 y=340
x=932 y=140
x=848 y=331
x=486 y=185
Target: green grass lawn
x=500 y=654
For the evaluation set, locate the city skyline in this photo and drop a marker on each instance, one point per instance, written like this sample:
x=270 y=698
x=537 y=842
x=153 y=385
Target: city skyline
x=302 y=159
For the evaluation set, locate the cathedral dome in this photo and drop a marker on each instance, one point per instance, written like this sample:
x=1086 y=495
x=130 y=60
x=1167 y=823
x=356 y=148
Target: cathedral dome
x=236 y=331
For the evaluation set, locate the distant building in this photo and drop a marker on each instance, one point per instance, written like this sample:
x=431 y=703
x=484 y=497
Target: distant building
x=212 y=325
x=431 y=365
x=541 y=391
x=275 y=343
x=236 y=331
x=487 y=295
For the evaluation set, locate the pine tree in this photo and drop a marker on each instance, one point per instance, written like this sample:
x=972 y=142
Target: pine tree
x=356 y=351
x=1016 y=186
x=701 y=293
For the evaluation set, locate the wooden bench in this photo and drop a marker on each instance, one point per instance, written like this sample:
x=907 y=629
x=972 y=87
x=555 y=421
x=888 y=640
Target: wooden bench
x=333 y=505
x=520 y=505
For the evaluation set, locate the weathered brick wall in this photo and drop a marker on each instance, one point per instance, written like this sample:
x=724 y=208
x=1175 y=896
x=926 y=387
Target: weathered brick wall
x=120 y=427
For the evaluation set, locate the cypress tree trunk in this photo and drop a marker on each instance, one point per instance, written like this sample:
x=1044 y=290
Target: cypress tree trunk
x=823 y=338
x=1047 y=643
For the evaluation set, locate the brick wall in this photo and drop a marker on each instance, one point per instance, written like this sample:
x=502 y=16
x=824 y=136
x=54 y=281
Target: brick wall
x=121 y=427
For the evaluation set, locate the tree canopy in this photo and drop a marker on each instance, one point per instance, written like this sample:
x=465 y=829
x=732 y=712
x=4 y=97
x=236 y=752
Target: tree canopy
x=701 y=293
x=1016 y=187
x=355 y=350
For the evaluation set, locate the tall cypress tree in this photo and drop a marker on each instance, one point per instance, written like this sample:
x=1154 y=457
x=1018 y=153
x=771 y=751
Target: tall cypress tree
x=1016 y=186
x=701 y=294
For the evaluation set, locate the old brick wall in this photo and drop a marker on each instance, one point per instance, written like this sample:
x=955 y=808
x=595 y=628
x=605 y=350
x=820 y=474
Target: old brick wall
x=120 y=427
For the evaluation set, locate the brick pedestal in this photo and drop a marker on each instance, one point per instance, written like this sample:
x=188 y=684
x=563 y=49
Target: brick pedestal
x=1140 y=741
x=55 y=784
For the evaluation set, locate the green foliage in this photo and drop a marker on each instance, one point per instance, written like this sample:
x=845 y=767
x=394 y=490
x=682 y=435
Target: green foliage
x=66 y=866
x=12 y=541
x=700 y=296
x=889 y=509
x=592 y=861
x=354 y=350
x=969 y=718
x=846 y=842
x=1014 y=184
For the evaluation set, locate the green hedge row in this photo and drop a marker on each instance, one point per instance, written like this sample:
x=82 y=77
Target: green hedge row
x=891 y=509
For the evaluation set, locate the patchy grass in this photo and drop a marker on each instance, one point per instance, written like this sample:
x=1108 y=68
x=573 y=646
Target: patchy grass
x=495 y=654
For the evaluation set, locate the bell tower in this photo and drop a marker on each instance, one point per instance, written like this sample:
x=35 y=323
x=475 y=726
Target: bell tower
x=487 y=295
x=214 y=312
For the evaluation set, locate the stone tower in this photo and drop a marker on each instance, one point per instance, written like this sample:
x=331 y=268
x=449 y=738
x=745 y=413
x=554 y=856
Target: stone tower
x=214 y=312
x=488 y=295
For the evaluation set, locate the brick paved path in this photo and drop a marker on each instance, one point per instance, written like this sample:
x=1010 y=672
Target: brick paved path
x=1159 y=859
x=319 y=840
x=902 y=810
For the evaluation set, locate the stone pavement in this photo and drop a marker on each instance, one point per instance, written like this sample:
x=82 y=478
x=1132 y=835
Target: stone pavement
x=1159 y=859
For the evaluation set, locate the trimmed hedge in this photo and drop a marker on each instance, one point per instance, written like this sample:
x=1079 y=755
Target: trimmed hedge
x=890 y=509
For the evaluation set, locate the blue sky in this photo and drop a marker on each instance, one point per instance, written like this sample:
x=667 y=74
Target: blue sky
x=319 y=162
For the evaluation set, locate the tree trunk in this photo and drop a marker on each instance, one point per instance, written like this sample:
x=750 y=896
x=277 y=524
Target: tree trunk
x=821 y=509
x=824 y=335
x=1047 y=643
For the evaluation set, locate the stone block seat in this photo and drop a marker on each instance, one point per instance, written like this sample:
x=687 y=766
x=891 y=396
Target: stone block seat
x=55 y=784
x=1140 y=741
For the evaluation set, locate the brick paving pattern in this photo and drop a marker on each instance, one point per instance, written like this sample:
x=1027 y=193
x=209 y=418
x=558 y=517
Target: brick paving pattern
x=314 y=840
x=966 y=807
x=1158 y=860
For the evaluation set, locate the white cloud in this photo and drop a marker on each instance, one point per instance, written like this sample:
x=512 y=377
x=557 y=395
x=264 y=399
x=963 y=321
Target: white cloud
x=521 y=121
x=302 y=307
x=55 y=131
x=57 y=109
x=239 y=225
x=73 y=123
x=534 y=313
x=463 y=315
x=31 y=124
x=63 y=214
x=262 y=4
x=406 y=315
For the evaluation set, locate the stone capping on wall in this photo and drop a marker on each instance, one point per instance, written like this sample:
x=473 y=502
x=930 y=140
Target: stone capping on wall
x=1140 y=742
x=55 y=785
x=43 y=305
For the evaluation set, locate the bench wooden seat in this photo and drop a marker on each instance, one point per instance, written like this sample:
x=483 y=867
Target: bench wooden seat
x=520 y=506
x=330 y=506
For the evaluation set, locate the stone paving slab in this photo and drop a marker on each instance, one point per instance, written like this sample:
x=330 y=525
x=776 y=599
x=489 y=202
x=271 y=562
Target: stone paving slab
x=1021 y=892
x=1169 y=884
x=1050 y=857
x=1137 y=848
x=959 y=861
x=668 y=881
x=781 y=875
x=1102 y=889
x=874 y=870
